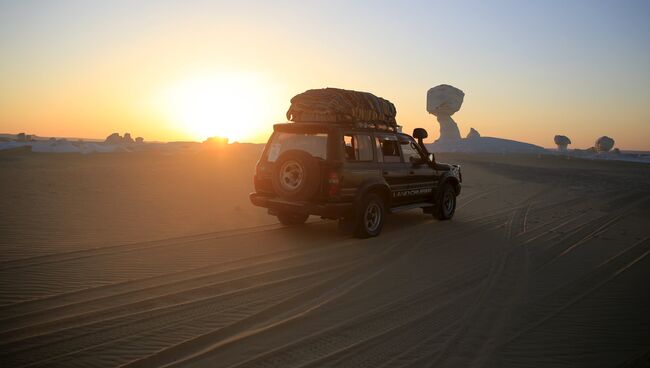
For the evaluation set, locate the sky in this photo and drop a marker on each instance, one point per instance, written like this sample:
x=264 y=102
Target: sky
x=186 y=70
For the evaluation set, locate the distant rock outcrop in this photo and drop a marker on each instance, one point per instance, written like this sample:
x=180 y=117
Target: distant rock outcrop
x=22 y=137
x=562 y=142
x=139 y=140
x=473 y=133
x=485 y=145
x=116 y=139
x=215 y=142
x=604 y=144
x=443 y=101
x=127 y=139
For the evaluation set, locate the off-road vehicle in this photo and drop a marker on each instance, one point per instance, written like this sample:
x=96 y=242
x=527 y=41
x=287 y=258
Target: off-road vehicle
x=353 y=172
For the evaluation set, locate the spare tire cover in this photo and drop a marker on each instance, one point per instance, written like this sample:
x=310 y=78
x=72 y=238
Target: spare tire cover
x=296 y=175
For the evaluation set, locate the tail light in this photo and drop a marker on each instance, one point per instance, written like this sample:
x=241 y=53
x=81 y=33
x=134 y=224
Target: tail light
x=333 y=181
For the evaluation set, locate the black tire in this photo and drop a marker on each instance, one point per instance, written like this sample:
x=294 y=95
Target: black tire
x=367 y=224
x=292 y=219
x=445 y=206
x=296 y=175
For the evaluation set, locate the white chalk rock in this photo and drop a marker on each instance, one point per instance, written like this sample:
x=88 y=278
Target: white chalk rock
x=114 y=138
x=485 y=145
x=443 y=101
x=473 y=133
x=604 y=144
x=562 y=141
x=127 y=139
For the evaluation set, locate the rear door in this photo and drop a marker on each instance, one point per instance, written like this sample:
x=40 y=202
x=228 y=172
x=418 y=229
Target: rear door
x=308 y=138
x=360 y=161
x=421 y=176
x=394 y=169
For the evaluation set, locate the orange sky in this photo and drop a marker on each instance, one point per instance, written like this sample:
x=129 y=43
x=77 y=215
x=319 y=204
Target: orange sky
x=173 y=72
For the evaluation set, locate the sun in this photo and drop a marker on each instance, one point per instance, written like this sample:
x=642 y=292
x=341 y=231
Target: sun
x=231 y=105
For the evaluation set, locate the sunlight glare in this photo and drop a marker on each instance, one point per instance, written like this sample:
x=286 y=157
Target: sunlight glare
x=233 y=105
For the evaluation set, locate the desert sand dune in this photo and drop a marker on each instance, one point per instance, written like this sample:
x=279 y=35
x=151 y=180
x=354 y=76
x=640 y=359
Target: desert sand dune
x=146 y=260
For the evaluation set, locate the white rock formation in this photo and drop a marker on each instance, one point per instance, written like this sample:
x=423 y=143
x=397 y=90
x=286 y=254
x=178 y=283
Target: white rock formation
x=485 y=145
x=127 y=139
x=22 y=137
x=443 y=101
x=604 y=144
x=562 y=142
x=114 y=138
x=473 y=133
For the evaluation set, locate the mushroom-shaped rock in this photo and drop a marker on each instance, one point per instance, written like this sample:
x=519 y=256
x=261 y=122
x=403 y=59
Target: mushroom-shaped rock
x=562 y=142
x=443 y=101
x=473 y=133
x=604 y=144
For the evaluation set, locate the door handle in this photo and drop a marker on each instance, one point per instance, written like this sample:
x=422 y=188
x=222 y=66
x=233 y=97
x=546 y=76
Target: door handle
x=412 y=172
x=384 y=172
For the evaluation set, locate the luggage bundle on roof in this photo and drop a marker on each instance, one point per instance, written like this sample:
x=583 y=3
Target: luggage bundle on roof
x=341 y=106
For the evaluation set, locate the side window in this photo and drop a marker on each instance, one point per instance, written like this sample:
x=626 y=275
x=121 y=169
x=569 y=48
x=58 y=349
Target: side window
x=410 y=151
x=389 y=148
x=358 y=147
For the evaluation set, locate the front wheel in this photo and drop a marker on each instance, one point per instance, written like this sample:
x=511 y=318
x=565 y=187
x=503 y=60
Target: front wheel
x=292 y=219
x=370 y=216
x=445 y=203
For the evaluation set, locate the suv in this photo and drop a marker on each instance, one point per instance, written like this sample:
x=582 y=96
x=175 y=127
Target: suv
x=355 y=173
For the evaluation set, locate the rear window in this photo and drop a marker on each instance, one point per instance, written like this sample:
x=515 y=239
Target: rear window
x=314 y=144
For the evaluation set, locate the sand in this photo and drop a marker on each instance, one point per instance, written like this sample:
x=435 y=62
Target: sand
x=148 y=260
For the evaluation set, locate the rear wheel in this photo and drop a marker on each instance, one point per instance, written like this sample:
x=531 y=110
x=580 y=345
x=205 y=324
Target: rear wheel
x=445 y=206
x=292 y=219
x=370 y=215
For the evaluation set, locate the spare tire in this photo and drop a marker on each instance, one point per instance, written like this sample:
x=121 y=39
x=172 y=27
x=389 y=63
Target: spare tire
x=296 y=175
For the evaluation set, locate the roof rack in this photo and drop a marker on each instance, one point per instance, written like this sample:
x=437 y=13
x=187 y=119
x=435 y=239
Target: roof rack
x=357 y=125
x=378 y=126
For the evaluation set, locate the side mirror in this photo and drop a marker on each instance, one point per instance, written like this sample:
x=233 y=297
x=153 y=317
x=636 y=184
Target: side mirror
x=420 y=133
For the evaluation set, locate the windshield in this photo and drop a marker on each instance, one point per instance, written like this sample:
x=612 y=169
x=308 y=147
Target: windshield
x=314 y=144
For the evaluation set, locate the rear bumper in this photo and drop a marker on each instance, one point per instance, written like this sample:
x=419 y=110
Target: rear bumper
x=275 y=205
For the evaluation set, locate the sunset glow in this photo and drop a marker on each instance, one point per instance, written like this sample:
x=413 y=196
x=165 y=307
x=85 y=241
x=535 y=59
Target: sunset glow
x=232 y=105
x=185 y=71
